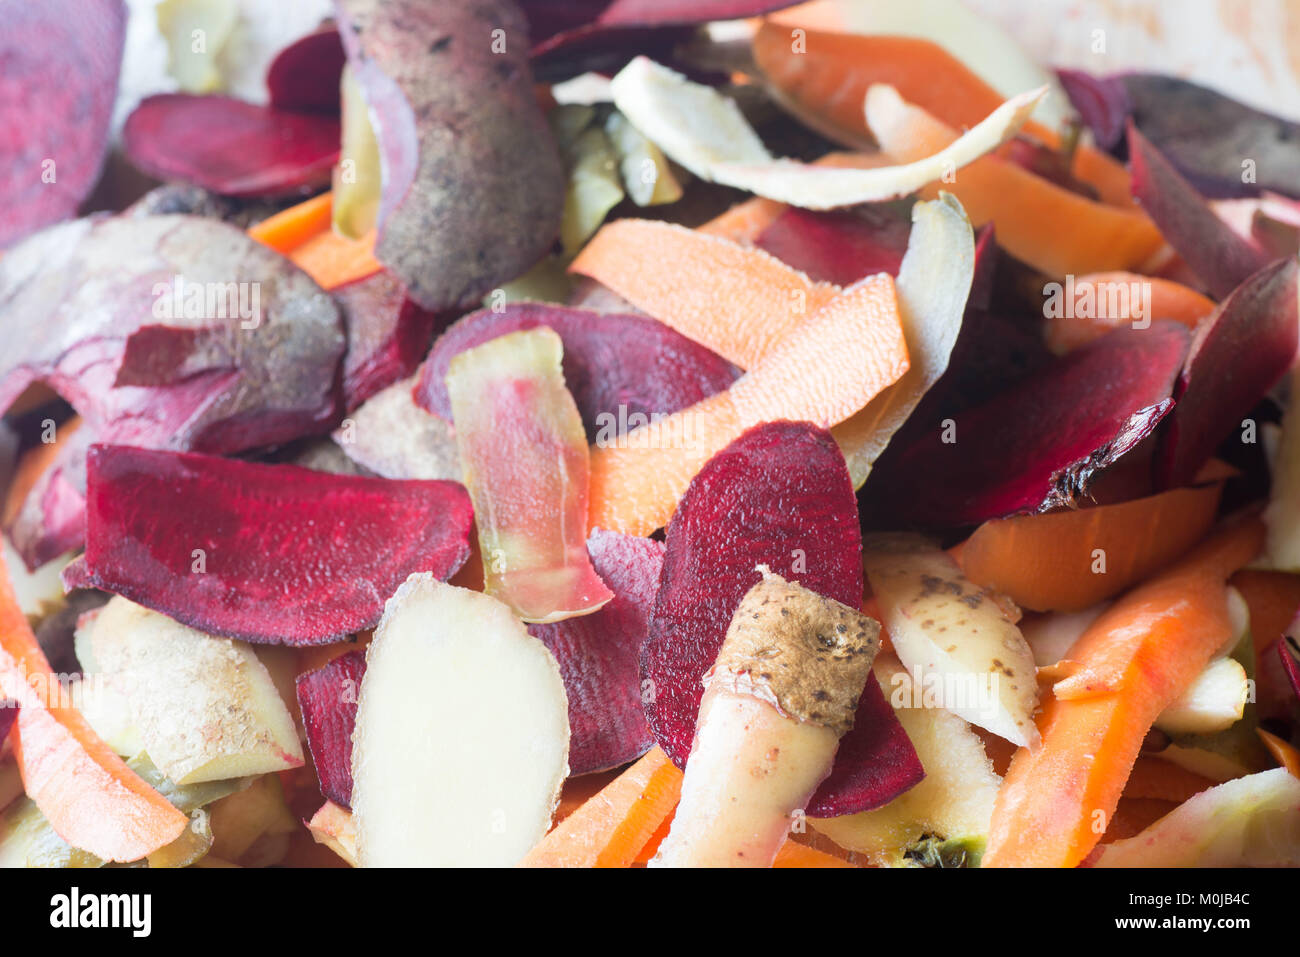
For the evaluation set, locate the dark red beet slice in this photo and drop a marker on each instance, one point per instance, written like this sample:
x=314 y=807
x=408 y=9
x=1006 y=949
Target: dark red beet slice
x=388 y=335
x=328 y=700
x=231 y=147
x=779 y=495
x=599 y=655
x=270 y=553
x=90 y=307
x=1221 y=259
x=1040 y=444
x=51 y=521
x=305 y=75
x=8 y=712
x=1236 y=356
x=1102 y=103
x=60 y=61
x=611 y=361
x=839 y=247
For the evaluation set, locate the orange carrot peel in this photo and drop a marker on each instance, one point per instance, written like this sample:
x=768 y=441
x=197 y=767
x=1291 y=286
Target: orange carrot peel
x=90 y=797
x=1134 y=661
x=611 y=828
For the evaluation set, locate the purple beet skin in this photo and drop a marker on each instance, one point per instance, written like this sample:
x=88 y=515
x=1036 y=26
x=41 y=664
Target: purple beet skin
x=599 y=655
x=1039 y=445
x=612 y=362
x=328 y=700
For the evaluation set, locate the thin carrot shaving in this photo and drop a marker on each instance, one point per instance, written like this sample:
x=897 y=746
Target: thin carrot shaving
x=615 y=824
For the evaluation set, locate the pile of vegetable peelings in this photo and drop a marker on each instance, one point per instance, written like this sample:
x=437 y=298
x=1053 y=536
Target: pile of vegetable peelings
x=594 y=434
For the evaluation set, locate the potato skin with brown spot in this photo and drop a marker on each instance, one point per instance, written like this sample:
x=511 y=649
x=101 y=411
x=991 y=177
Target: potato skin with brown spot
x=473 y=184
x=806 y=654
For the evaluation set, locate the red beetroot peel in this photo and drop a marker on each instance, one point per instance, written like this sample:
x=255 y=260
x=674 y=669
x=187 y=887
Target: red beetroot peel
x=779 y=495
x=599 y=655
x=1236 y=356
x=1042 y=443
x=305 y=75
x=610 y=361
x=8 y=712
x=839 y=247
x=266 y=553
x=61 y=60
x=388 y=335
x=328 y=700
x=231 y=147
x=1221 y=259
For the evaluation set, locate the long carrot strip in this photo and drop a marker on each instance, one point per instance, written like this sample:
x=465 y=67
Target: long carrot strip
x=745 y=221
x=1134 y=661
x=652 y=846
x=611 y=828
x=90 y=797
x=1069 y=561
x=1068 y=330
x=737 y=301
x=826 y=78
x=1027 y=209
